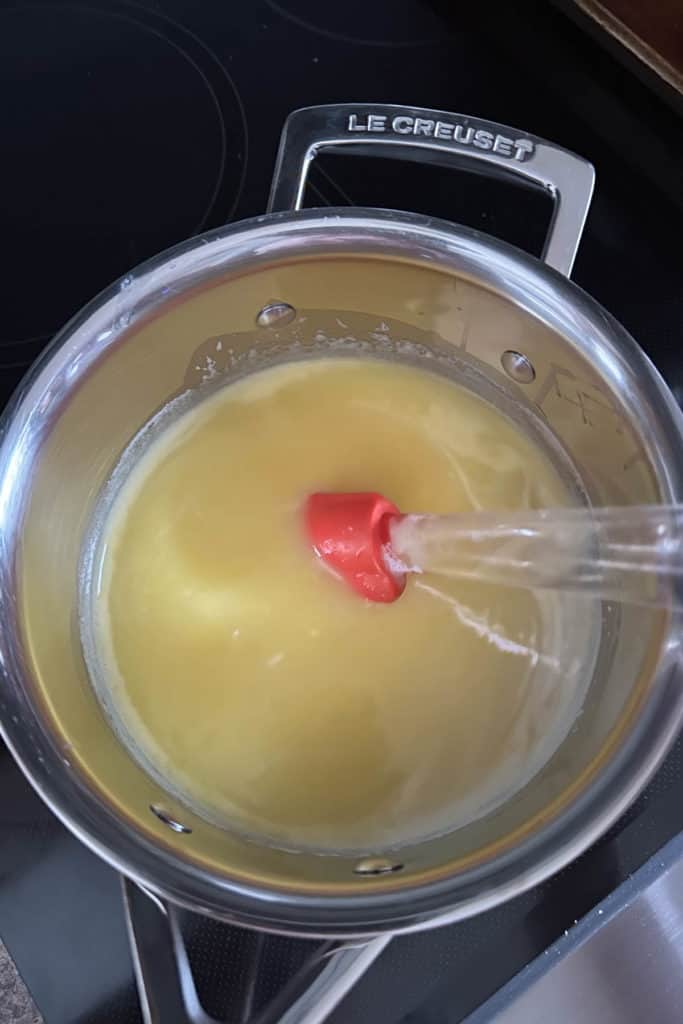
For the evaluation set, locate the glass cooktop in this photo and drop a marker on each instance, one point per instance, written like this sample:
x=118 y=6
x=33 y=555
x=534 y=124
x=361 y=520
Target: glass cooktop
x=128 y=127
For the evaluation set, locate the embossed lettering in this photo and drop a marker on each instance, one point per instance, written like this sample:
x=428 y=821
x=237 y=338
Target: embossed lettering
x=462 y=134
x=402 y=124
x=523 y=149
x=594 y=405
x=483 y=139
x=354 y=126
x=423 y=126
x=502 y=145
x=637 y=456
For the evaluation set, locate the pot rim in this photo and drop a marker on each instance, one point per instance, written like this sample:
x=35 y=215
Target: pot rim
x=527 y=282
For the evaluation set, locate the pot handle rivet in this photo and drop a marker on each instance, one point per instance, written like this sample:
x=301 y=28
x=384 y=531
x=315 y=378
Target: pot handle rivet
x=518 y=366
x=376 y=866
x=168 y=819
x=275 y=314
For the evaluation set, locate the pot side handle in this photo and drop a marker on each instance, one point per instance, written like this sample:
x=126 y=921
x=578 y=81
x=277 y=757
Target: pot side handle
x=166 y=986
x=435 y=136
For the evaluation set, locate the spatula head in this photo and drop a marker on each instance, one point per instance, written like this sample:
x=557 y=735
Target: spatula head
x=350 y=533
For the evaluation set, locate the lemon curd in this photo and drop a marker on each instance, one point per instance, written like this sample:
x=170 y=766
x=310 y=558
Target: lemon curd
x=264 y=692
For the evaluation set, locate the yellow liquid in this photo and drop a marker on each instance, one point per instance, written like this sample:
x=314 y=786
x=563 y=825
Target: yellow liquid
x=270 y=696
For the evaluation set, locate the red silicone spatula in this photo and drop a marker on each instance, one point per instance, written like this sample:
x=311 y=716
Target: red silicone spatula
x=350 y=532
x=632 y=553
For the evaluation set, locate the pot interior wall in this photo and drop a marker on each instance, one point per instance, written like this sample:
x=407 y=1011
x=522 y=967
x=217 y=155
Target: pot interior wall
x=198 y=338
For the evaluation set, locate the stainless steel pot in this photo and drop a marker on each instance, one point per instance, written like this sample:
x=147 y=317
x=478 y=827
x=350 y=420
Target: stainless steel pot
x=294 y=282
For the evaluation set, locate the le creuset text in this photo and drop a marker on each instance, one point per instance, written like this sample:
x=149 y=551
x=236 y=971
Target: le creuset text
x=464 y=134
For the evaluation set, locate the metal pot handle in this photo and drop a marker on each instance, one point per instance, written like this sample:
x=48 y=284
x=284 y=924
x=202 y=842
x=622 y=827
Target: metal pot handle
x=167 y=990
x=435 y=136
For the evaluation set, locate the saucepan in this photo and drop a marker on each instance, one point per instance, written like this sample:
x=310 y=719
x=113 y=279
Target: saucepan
x=239 y=298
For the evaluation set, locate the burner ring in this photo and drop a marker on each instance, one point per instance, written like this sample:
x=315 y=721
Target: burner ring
x=352 y=18
x=116 y=163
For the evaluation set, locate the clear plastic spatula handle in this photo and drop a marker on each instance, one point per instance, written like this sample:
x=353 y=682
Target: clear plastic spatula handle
x=632 y=554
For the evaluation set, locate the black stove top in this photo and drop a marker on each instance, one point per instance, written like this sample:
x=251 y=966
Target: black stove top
x=130 y=126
